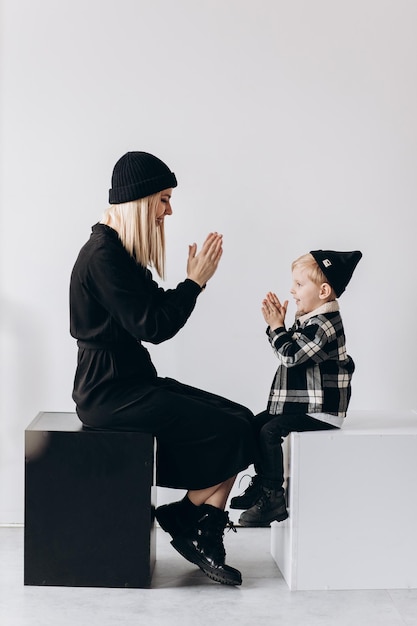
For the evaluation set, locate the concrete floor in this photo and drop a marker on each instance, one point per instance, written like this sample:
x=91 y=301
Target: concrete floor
x=182 y=595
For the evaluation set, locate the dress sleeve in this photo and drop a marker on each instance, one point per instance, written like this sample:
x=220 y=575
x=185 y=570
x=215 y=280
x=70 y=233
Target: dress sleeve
x=134 y=300
x=302 y=346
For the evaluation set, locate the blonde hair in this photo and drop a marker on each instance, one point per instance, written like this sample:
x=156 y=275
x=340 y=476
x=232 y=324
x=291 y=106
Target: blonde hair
x=138 y=231
x=314 y=272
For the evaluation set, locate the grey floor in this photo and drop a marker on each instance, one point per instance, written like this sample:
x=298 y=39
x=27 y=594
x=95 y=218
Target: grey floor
x=182 y=595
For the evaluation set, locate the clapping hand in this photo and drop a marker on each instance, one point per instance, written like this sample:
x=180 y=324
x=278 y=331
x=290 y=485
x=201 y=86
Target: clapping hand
x=201 y=266
x=273 y=311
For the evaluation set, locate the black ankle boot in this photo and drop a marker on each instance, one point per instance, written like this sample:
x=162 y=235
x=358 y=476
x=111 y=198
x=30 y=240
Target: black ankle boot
x=270 y=507
x=178 y=517
x=204 y=547
x=250 y=496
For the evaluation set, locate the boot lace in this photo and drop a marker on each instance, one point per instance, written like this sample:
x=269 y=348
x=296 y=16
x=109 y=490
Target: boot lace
x=252 y=483
x=246 y=476
x=230 y=525
x=265 y=498
x=211 y=534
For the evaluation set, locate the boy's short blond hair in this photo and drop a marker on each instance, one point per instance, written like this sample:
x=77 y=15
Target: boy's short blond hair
x=314 y=271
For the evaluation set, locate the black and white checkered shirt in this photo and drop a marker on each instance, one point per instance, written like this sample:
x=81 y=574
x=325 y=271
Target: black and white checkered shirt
x=315 y=372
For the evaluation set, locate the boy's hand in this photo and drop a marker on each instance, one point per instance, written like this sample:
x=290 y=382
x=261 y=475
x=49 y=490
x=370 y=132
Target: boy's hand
x=273 y=311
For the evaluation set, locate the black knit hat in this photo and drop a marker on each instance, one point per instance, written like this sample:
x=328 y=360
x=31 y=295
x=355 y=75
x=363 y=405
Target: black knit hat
x=338 y=267
x=137 y=175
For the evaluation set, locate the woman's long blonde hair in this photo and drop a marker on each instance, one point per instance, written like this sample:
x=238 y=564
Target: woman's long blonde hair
x=138 y=231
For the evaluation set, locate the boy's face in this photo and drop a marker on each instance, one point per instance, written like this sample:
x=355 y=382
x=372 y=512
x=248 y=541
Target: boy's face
x=307 y=295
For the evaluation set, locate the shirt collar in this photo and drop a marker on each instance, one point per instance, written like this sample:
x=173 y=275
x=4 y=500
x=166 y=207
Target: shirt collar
x=327 y=307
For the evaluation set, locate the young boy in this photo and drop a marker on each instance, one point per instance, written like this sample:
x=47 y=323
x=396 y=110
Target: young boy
x=311 y=389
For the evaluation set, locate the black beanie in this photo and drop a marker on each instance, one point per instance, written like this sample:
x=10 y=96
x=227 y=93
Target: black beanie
x=338 y=267
x=137 y=175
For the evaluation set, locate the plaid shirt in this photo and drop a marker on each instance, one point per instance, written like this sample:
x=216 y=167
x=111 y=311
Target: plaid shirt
x=315 y=371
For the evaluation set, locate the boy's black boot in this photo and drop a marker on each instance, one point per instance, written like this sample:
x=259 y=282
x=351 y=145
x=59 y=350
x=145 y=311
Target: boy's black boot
x=250 y=496
x=177 y=517
x=204 y=547
x=270 y=507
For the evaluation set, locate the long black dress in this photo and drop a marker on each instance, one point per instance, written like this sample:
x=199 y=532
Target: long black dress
x=203 y=439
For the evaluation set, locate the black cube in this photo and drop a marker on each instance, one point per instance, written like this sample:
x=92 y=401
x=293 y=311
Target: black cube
x=89 y=505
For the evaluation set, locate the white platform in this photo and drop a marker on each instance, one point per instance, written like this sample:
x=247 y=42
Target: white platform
x=353 y=505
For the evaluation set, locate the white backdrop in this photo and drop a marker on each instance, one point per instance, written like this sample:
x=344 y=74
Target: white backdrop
x=291 y=126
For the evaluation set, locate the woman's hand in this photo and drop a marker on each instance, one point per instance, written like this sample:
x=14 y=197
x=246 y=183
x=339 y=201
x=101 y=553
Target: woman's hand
x=273 y=311
x=201 y=266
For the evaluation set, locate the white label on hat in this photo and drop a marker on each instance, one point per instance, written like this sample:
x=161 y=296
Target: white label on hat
x=327 y=262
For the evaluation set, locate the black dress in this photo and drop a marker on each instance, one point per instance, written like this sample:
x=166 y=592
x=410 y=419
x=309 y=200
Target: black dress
x=203 y=439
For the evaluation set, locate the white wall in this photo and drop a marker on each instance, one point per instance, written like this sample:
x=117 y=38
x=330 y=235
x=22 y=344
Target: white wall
x=290 y=125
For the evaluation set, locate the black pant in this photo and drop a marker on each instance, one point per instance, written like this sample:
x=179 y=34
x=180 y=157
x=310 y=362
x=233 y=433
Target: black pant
x=203 y=439
x=271 y=430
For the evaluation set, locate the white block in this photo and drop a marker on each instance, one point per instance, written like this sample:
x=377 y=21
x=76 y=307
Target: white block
x=353 y=505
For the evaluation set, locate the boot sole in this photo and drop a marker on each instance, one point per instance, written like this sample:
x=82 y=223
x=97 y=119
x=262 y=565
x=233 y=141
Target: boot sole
x=240 y=507
x=264 y=523
x=191 y=555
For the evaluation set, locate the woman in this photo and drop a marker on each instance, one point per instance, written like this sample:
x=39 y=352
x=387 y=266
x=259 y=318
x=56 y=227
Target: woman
x=203 y=440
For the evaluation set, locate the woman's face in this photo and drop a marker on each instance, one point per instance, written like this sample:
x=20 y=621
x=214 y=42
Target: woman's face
x=164 y=206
